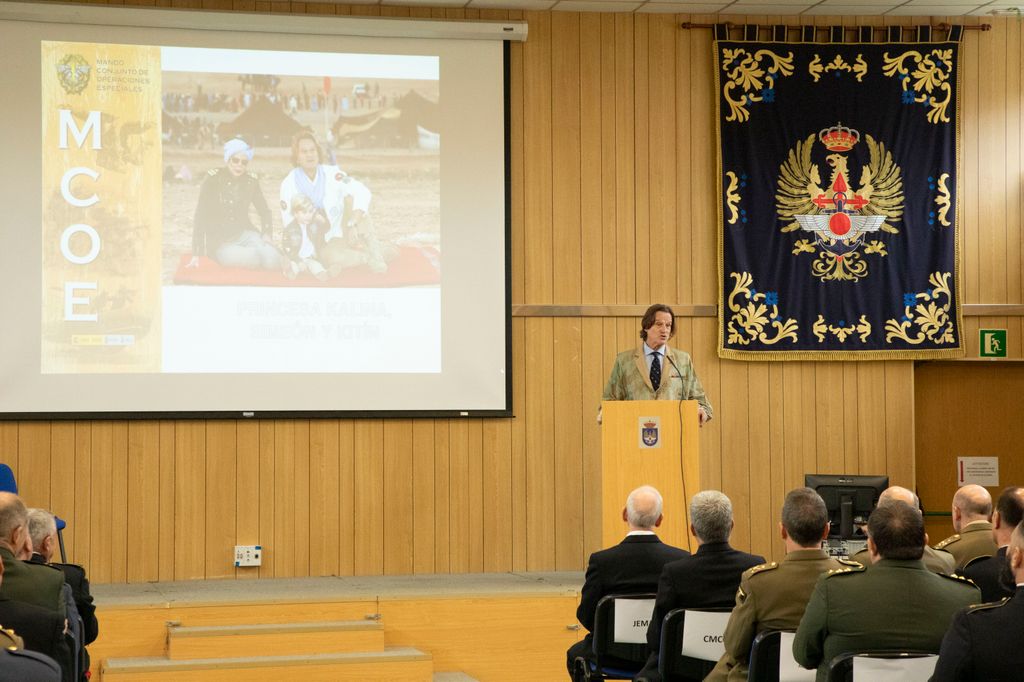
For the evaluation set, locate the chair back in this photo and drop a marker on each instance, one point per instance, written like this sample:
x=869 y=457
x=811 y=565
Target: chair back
x=7 y=482
x=771 y=659
x=975 y=560
x=692 y=641
x=882 y=666
x=620 y=635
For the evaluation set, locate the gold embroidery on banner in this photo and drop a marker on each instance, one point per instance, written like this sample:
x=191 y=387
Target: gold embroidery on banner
x=815 y=68
x=803 y=246
x=944 y=200
x=932 y=319
x=859 y=69
x=862 y=329
x=745 y=71
x=830 y=267
x=732 y=198
x=928 y=82
x=875 y=246
x=748 y=322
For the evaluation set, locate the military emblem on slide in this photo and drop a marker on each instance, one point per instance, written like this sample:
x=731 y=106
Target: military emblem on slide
x=73 y=73
x=842 y=223
x=650 y=431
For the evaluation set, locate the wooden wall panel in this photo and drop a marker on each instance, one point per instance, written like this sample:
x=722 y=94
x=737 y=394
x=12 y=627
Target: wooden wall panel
x=613 y=202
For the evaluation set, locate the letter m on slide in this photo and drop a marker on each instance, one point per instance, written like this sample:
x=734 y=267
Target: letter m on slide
x=92 y=124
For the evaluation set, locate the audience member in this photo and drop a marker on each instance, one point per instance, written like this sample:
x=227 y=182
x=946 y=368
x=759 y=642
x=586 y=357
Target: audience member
x=972 y=507
x=992 y=574
x=630 y=567
x=709 y=578
x=23 y=581
x=43 y=531
x=772 y=596
x=983 y=642
x=41 y=630
x=898 y=604
x=935 y=560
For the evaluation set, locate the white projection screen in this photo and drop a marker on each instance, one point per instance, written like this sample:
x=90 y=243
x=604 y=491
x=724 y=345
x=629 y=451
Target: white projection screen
x=240 y=215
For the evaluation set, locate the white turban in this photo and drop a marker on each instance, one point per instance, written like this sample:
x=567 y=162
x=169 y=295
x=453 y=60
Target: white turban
x=234 y=146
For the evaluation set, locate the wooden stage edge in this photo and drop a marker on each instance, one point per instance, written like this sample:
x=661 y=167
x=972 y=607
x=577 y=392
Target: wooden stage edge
x=491 y=626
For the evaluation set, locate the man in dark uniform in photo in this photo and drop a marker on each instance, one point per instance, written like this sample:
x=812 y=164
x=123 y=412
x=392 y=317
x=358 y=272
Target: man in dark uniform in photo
x=935 y=560
x=42 y=528
x=896 y=604
x=992 y=574
x=654 y=371
x=37 y=629
x=984 y=641
x=18 y=664
x=972 y=508
x=630 y=567
x=707 y=579
x=772 y=596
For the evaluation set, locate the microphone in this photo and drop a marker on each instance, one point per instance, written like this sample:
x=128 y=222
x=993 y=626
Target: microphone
x=668 y=356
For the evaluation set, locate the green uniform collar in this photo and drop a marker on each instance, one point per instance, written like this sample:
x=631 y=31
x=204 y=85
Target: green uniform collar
x=807 y=555
x=901 y=563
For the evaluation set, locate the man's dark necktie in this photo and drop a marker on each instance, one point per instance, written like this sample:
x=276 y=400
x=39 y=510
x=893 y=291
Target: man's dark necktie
x=655 y=370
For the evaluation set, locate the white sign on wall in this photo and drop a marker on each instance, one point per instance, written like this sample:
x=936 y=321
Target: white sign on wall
x=979 y=470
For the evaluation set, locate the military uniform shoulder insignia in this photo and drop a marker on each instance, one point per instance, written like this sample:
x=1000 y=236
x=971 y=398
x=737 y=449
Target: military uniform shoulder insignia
x=9 y=639
x=990 y=605
x=761 y=568
x=845 y=570
x=948 y=541
x=957 y=578
x=849 y=562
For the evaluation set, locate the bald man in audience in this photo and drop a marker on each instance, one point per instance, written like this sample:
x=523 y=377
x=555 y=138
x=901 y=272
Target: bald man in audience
x=772 y=596
x=935 y=560
x=23 y=581
x=984 y=641
x=896 y=604
x=630 y=567
x=992 y=574
x=972 y=508
x=37 y=629
x=707 y=579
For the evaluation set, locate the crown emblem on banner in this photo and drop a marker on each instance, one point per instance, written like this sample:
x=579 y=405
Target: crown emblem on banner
x=839 y=138
x=650 y=425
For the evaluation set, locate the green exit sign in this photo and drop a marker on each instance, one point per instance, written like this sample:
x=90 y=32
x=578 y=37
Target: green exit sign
x=992 y=343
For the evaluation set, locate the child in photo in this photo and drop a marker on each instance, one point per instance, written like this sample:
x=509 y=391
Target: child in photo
x=302 y=237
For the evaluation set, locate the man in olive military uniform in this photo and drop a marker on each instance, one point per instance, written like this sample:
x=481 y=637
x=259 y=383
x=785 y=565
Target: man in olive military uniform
x=935 y=560
x=984 y=641
x=897 y=604
x=772 y=596
x=992 y=574
x=972 y=508
x=23 y=581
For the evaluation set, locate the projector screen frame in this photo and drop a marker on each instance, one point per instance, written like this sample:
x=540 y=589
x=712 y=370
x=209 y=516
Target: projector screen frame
x=355 y=26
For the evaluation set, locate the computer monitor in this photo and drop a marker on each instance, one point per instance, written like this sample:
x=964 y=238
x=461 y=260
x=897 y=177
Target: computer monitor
x=849 y=499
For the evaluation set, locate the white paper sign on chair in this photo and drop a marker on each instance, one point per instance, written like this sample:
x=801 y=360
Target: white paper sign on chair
x=632 y=616
x=704 y=634
x=789 y=669
x=919 y=669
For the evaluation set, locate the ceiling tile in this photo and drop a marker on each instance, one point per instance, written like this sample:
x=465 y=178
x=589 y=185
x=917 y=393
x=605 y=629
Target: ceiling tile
x=512 y=4
x=850 y=10
x=931 y=10
x=680 y=8
x=595 y=6
x=428 y=3
x=755 y=8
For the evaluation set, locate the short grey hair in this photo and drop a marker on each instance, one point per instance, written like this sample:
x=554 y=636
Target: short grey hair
x=643 y=507
x=41 y=525
x=12 y=515
x=711 y=516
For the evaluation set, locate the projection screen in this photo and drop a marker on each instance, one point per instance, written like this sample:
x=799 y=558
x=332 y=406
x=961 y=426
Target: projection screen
x=221 y=214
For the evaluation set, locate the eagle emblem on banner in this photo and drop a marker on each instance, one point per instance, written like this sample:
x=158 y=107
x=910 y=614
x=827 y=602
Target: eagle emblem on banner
x=839 y=221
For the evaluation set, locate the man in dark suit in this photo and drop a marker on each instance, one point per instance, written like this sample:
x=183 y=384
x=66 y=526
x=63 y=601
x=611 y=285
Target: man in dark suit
x=992 y=574
x=42 y=528
x=706 y=579
x=983 y=643
x=630 y=567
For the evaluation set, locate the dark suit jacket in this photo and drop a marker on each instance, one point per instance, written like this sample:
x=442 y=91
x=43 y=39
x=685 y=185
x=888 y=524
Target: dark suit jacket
x=983 y=643
x=42 y=629
x=74 y=575
x=986 y=574
x=707 y=579
x=630 y=567
x=21 y=665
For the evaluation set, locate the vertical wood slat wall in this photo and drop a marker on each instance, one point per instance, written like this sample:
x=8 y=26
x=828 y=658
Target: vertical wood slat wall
x=613 y=160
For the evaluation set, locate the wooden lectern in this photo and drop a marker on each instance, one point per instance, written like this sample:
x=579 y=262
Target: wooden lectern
x=641 y=444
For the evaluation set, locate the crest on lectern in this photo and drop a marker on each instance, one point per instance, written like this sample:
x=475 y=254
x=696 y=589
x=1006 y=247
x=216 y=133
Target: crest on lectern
x=650 y=432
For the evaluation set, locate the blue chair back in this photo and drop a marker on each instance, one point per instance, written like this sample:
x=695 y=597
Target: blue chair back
x=7 y=482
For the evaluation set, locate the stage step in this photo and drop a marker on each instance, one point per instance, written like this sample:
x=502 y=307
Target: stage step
x=288 y=639
x=453 y=677
x=398 y=664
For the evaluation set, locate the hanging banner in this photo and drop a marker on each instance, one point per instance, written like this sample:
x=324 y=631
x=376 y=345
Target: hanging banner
x=838 y=200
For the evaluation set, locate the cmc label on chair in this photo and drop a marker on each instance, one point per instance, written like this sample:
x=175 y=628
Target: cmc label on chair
x=704 y=634
x=632 y=616
x=650 y=432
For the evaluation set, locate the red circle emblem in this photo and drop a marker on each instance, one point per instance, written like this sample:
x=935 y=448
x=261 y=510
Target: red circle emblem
x=839 y=223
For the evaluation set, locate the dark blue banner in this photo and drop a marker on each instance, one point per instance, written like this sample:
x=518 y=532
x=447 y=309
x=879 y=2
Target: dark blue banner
x=838 y=202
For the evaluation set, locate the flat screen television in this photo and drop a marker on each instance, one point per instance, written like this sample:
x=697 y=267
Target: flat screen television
x=849 y=498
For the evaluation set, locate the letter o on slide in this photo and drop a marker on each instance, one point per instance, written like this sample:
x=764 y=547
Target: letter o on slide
x=94 y=243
